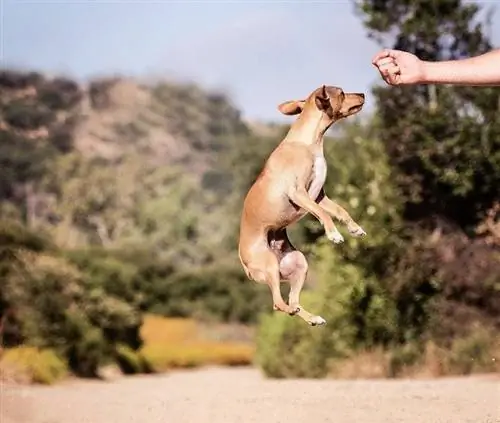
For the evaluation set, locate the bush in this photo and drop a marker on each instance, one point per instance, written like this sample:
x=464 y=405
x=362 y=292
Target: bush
x=27 y=115
x=478 y=352
x=403 y=358
x=54 y=305
x=59 y=94
x=21 y=161
x=99 y=92
x=288 y=348
x=130 y=361
x=36 y=365
x=19 y=80
x=216 y=292
x=61 y=136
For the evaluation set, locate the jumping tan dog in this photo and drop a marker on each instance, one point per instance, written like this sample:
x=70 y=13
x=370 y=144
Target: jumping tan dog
x=290 y=186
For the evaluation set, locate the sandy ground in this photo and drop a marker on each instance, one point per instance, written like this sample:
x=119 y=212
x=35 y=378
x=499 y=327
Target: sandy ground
x=243 y=396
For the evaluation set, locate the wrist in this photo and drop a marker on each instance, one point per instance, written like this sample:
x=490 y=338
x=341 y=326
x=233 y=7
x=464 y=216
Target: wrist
x=429 y=73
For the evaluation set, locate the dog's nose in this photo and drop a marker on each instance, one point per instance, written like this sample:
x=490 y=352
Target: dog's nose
x=362 y=95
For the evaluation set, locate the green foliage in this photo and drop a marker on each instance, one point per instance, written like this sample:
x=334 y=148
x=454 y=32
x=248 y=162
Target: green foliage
x=59 y=94
x=219 y=292
x=48 y=303
x=21 y=162
x=443 y=143
x=131 y=361
x=474 y=353
x=27 y=114
x=443 y=140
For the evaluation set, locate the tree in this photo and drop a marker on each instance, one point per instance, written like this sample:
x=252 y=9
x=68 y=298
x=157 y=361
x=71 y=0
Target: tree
x=445 y=141
x=444 y=144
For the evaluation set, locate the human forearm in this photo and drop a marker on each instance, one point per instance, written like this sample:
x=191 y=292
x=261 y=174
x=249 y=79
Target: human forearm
x=479 y=70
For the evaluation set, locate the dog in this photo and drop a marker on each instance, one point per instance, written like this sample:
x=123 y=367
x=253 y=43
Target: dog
x=289 y=186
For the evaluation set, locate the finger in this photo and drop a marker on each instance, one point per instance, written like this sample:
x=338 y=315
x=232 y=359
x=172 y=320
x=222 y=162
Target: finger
x=392 y=78
x=389 y=68
x=386 y=53
x=384 y=61
x=391 y=74
x=380 y=55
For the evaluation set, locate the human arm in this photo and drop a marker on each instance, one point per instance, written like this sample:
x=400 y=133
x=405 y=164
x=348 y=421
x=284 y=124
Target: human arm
x=402 y=68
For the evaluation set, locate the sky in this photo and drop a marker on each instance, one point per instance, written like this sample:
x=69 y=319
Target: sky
x=261 y=53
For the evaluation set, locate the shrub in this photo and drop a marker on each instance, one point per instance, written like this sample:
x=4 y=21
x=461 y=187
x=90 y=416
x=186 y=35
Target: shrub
x=21 y=160
x=54 y=305
x=130 y=361
x=99 y=92
x=478 y=352
x=214 y=292
x=25 y=114
x=59 y=94
x=19 y=80
x=61 y=136
x=402 y=359
x=37 y=365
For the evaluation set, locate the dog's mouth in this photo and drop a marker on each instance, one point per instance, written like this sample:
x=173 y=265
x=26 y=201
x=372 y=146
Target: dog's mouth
x=355 y=109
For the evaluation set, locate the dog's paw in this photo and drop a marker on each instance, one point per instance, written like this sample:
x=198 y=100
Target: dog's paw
x=317 y=321
x=357 y=231
x=335 y=236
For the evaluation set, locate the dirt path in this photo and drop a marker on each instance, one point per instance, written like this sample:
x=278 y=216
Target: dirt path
x=243 y=396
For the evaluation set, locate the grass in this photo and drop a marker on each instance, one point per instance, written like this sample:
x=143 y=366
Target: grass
x=32 y=365
x=184 y=343
x=477 y=353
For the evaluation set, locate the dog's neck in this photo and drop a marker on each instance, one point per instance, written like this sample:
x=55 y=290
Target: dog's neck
x=309 y=129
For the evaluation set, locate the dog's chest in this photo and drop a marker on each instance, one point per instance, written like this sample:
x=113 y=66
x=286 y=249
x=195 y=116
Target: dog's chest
x=318 y=176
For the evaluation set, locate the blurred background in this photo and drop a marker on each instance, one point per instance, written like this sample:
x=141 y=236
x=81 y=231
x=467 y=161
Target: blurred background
x=129 y=134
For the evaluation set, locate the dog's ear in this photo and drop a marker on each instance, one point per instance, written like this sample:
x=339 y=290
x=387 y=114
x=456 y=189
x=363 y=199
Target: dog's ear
x=291 y=107
x=322 y=99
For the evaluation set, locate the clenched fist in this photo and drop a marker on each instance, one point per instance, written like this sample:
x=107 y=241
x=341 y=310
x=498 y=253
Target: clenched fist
x=399 y=67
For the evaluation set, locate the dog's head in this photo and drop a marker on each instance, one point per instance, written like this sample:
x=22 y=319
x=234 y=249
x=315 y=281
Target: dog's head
x=332 y=102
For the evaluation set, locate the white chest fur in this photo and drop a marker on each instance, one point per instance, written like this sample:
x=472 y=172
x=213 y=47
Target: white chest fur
x=318 y=177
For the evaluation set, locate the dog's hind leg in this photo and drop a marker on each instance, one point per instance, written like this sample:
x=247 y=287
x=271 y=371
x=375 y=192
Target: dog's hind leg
x=264 y=268
x=294 y=269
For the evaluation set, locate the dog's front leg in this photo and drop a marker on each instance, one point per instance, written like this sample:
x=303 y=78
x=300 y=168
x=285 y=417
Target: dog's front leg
x=340 y=214
x=301 y=198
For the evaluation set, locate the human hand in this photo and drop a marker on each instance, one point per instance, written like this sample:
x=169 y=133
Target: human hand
x=399 y=67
